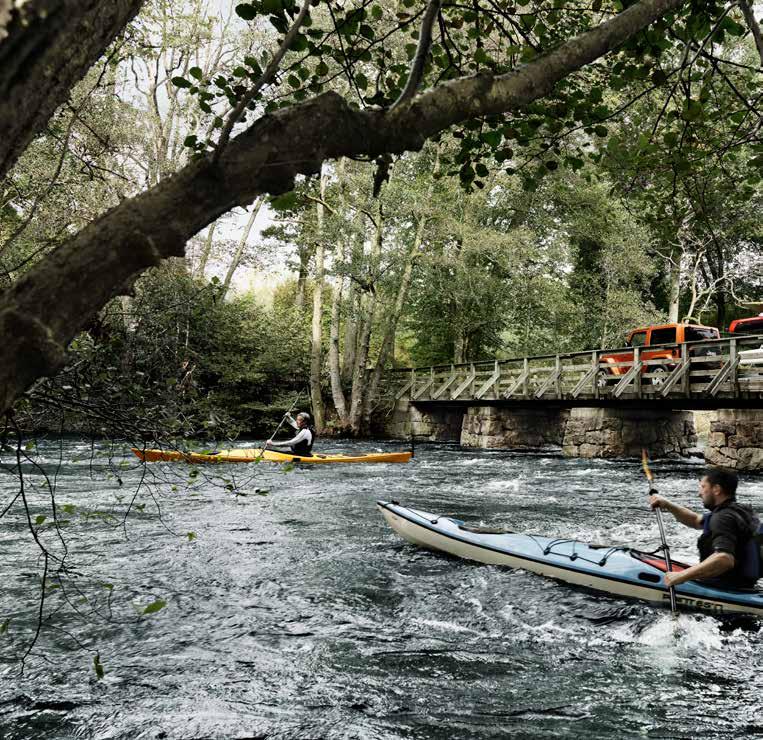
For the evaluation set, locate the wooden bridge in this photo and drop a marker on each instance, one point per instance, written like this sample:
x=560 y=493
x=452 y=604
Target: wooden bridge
x=723 y=373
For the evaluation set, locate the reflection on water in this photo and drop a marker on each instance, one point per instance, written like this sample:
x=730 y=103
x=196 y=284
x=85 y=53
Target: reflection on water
x=293 y=612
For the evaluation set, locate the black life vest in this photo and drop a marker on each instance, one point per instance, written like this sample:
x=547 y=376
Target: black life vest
x=303 y=448
x=751 y=566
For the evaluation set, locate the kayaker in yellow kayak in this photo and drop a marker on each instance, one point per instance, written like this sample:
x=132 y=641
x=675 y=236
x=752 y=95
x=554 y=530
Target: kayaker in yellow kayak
x=302 y=442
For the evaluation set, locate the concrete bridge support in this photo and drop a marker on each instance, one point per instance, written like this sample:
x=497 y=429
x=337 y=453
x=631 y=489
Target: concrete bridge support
x=441 y=424
x=623 y=432
x=492 y=426
x=736 y=439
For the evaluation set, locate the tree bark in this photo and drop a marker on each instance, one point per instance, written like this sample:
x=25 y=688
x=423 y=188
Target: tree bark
x=239 y=253
x=335 y=372
x=316 y=362
x=675 y=289
x=49 y=46
x=304 y=253
x=43 y=311
x=206 y=250
x=359 y=384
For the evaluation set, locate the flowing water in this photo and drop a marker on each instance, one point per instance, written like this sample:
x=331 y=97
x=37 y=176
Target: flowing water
x=292 y=611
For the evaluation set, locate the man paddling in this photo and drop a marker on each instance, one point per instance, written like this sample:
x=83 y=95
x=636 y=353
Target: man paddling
x=302 y=442
x=727 y=551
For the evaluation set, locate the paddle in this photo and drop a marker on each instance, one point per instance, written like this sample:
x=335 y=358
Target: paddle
x=658 y=512
x=280 y=423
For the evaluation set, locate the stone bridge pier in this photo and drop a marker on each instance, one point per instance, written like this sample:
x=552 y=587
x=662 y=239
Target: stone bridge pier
x=735 y=438
x=582 y=432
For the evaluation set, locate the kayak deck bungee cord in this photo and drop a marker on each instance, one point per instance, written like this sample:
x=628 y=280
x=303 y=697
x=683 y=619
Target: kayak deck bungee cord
x=617 y=570
x=252 y=455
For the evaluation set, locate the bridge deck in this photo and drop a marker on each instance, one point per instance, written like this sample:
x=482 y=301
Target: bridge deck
x=725 y=373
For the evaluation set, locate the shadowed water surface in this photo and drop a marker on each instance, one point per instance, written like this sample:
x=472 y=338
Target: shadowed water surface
x=294 y=612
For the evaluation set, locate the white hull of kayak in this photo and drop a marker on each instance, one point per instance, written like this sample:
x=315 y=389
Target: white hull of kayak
x=445 y=535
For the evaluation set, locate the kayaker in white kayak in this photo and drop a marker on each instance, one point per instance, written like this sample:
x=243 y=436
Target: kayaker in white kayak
x=728 y=552
x=302 y=442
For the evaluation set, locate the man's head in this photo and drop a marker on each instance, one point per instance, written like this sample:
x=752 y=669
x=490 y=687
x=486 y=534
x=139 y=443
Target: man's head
x=717 y=486
x=303 y=420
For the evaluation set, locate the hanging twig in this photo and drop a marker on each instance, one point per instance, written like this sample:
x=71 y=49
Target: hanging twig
x=425 y=41
x=264 y=79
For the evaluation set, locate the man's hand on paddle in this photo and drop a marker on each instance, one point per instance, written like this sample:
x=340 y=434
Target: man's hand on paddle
x=673 y=579
x=658 y=502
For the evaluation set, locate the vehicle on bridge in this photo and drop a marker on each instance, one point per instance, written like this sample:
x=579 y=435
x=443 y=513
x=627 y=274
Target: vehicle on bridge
x=752 y=325
x=664 y=353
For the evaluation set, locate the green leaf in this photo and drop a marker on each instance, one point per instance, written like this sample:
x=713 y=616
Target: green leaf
x=246 y=11
x=322 y=68
x=491 y=138
x=481 y=57
x=196 y=73
x=190 y=140
x=39 y=519
x=252 y=63
x=601 y=131
x=180 y=82
x=692 y=110
x=732 y=27
x=4 y=626
x=299 y=43
x=376 y=12
x=98 y=666
x=284 y=202
x=155 y=606
x=294 y=81
x=191 y=536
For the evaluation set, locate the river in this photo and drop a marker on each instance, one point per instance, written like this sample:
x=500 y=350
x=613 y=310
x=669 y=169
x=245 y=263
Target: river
x=292 y=611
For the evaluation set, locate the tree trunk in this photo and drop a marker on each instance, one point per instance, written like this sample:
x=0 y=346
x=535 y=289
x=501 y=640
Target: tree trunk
x=206 y=250
x=674 y=299
x=337 y=391
x=315 y=347
x=304 y=253
x=359 y=386
x=350 y=334
x=236 y=261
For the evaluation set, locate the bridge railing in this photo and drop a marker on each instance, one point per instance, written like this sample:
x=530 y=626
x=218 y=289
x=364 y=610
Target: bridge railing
x=704 y=369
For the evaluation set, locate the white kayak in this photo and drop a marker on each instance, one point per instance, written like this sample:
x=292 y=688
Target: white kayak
x=616 y=570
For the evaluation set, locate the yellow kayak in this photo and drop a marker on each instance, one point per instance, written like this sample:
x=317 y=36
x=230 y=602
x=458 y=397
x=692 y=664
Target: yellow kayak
x=254 y=455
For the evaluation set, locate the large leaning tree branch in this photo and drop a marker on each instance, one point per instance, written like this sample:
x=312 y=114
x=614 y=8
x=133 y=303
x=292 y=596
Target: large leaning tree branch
x=46 y=47
x=42 y=312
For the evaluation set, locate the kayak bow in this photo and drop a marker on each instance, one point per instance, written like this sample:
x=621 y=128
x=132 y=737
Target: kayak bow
x=615 y=570
x=254 y=455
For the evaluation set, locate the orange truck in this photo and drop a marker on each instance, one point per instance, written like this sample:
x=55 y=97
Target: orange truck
x=664 y=344
x=752 y=325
